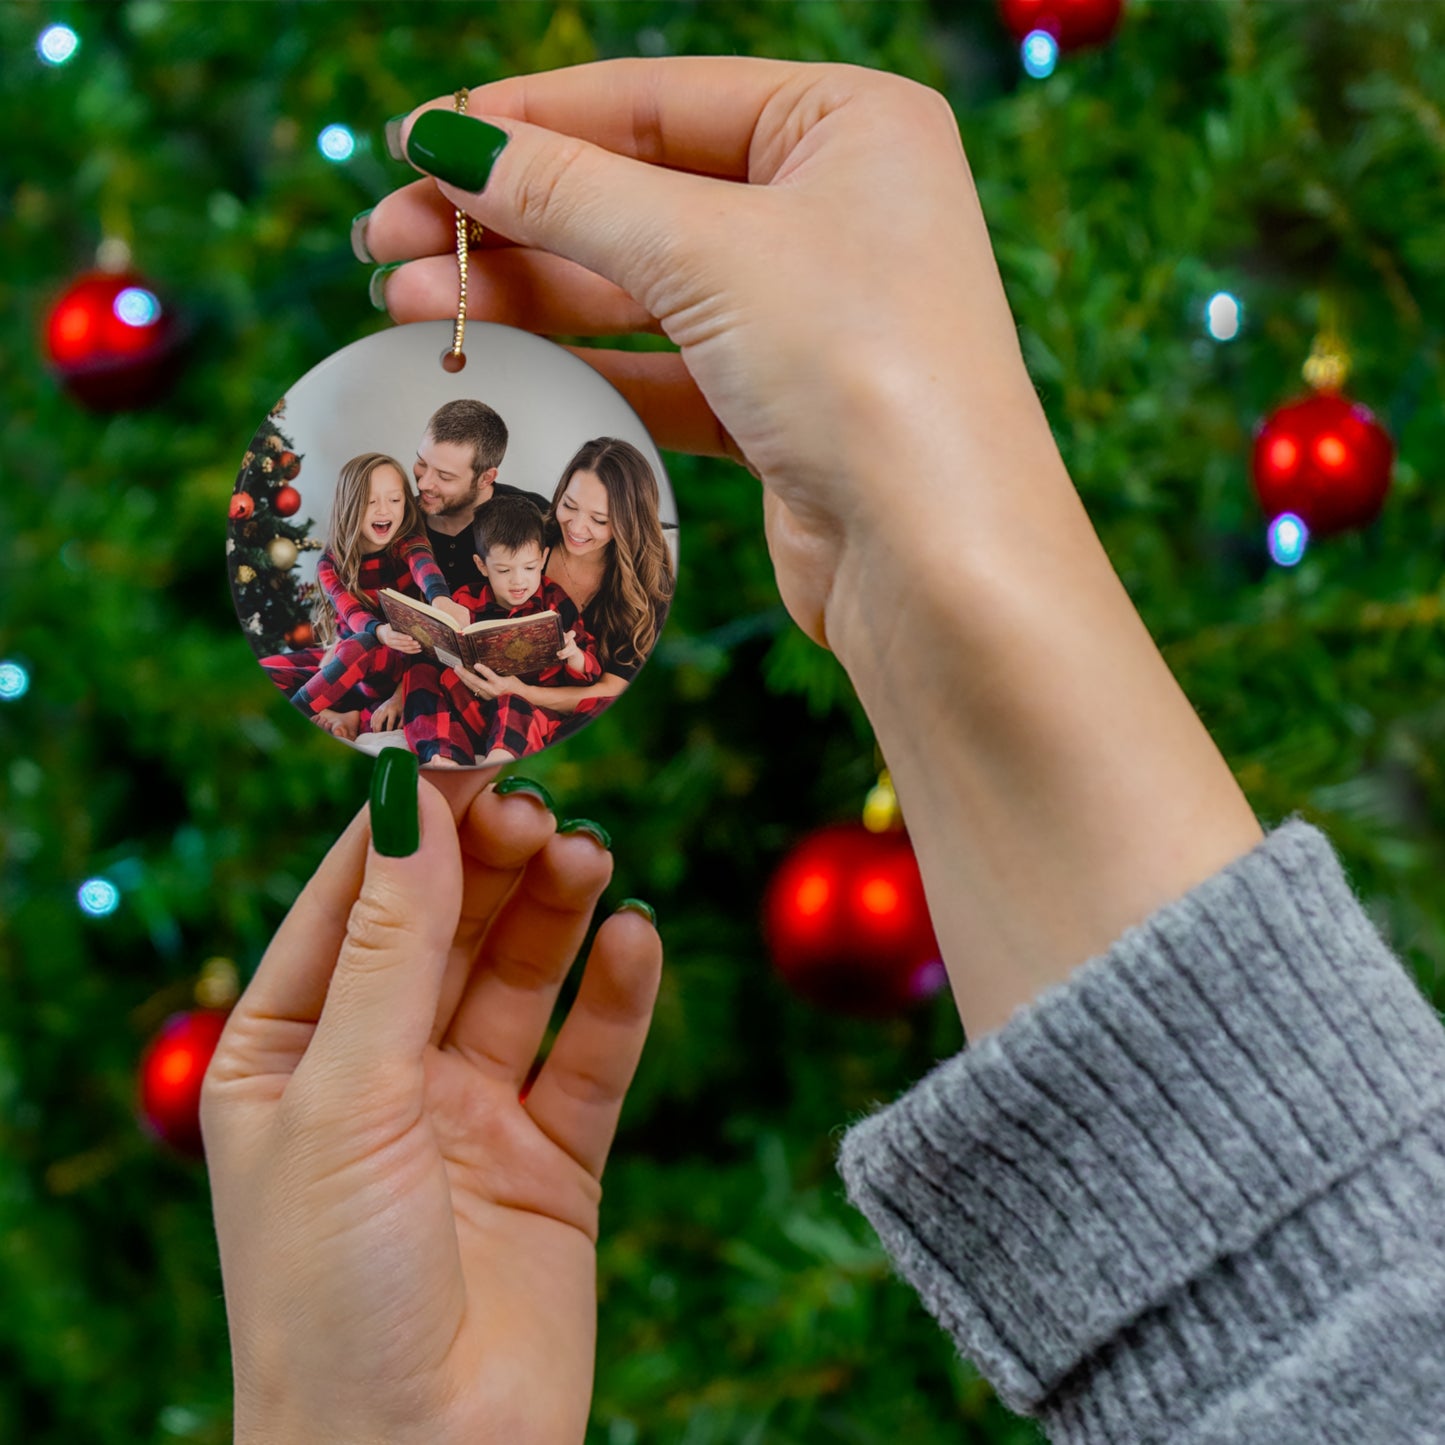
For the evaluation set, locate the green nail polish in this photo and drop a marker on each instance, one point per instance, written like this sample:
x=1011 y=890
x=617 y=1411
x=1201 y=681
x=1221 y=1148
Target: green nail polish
x=586 y=825
x=636 y=905
x=359 y=247
x=532 y=789
x=395 y=812
x=376 y=289
x=455 y=148
x=393 y=137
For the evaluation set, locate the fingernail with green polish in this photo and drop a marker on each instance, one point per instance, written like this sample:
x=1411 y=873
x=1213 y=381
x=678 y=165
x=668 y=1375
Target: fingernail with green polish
x=532 y=789
x=376 y=289
x=359 y=247
x=636 y=905
x=455 y=148
x=586 y=825
x=393 y=137
x=395 y=812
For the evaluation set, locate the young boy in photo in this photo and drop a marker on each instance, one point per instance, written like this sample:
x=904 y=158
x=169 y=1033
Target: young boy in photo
x=447 y=723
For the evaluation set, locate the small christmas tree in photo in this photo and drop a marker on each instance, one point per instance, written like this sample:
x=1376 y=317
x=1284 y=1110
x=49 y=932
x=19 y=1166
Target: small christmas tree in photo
x=273 y=604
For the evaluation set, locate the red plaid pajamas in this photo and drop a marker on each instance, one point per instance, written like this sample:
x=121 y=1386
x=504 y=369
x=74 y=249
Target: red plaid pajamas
x=444 y=718
x=362 y=663
x=372 y=669
x=522 y=729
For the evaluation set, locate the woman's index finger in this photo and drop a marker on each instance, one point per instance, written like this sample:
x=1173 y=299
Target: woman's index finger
x=698 y=113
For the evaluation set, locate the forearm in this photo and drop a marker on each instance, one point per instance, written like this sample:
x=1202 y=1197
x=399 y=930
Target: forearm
x=1056 y=782
x=567 y=699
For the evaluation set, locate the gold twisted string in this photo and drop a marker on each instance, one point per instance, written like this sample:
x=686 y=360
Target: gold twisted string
x=467 y=230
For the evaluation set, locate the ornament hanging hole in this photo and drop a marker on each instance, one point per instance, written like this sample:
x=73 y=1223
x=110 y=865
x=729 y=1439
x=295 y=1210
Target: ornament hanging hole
x=453 y=361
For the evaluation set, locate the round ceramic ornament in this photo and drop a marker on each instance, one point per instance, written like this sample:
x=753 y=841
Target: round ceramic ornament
x=470 y=560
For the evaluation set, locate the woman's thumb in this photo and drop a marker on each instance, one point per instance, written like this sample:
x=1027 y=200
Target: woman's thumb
x=382 y=999
x=621 y=218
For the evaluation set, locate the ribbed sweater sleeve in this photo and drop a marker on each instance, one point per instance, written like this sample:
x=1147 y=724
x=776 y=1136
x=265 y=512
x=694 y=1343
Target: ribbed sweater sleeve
x=1196 y=1192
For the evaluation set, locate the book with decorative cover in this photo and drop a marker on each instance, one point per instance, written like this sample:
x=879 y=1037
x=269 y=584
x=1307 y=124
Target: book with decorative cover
x=510 y=646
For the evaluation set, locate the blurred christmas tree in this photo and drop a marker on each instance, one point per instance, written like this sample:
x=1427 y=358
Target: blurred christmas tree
x=1275 y=155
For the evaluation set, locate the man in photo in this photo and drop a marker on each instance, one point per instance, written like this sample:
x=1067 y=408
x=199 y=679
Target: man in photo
x=456 y=472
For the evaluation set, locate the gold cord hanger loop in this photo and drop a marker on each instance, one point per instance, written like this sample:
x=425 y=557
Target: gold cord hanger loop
x=467 y=230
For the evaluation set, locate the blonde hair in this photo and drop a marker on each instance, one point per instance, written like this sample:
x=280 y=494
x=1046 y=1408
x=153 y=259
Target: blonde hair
x=626 y=614
x=343 y=534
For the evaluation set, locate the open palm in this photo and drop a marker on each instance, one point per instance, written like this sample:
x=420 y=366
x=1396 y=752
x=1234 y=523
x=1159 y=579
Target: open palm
x=407 y=1232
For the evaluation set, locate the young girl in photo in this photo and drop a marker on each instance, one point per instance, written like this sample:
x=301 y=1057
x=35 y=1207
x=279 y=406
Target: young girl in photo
x=375 y=539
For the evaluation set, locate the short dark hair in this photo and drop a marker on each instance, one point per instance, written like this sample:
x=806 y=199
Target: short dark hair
x=510 y=522
x=473 y=424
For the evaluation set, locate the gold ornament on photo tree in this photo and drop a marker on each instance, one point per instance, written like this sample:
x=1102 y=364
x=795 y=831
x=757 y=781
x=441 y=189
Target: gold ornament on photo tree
x=283 y=553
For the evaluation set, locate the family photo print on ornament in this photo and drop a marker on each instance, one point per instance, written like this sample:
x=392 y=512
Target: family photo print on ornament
x=471 y=565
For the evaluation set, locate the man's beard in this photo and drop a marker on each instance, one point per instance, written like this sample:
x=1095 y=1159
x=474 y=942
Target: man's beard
x=469 y=505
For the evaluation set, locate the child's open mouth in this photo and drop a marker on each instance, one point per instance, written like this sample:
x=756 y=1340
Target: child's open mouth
x=380 y=529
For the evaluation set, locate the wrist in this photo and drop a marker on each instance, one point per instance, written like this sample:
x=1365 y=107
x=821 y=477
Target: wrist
x=1057 y=784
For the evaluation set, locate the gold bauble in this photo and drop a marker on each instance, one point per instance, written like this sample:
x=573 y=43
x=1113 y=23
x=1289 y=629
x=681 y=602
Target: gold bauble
x=283 y=553
x=218 y=985
x=880 y=810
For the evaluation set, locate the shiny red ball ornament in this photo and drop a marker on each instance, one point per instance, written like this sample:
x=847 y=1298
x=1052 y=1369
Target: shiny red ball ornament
x=171 y=1071
x=112 y=341
x=290 y=465
x=1073 y=23
x=243 y=504
x=847 y=924
x=1324 y=458
x=287 y=501
x=302 y=635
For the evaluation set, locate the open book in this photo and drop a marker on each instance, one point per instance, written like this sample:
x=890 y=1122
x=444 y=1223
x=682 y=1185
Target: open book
x=510 y=646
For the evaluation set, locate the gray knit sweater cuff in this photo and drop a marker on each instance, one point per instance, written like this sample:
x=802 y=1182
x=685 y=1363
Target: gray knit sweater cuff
x=1147 y=1178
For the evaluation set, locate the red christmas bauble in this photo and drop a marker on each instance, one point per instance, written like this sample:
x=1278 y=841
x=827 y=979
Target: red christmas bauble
x=1073 y=23
x=1324 y=458
x=243 y=504
x=112 y=341
x=847 y=924
x=290 y=465
x=302 y=635
x=171 y=1071
x=287 y=501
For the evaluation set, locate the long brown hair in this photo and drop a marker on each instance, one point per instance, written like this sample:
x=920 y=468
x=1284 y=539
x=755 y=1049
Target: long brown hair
x=343 y=533
x=626 y=614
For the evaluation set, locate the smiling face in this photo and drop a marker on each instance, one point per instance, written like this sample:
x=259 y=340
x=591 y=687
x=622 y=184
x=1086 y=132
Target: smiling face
x=444 y=481
x=385 y=509
x=582 y=514
x=514 y=576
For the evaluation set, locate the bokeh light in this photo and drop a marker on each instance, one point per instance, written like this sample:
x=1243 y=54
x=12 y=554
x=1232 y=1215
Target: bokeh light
x=1288 y=538
x=336 y=143
x=1040 y=53
x=57 y=44
x=1223 y=316
x=98 y=897
x=14 y=681
x=137 y=307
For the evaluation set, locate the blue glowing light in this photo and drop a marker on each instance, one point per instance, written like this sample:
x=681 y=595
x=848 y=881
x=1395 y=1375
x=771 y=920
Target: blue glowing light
x=1288 y=538
x=98 y=897
x=57 y=44
x=14 y=681
x=137 y=307
x=1040 y=53
x=1223 y=316
x=336 y=143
